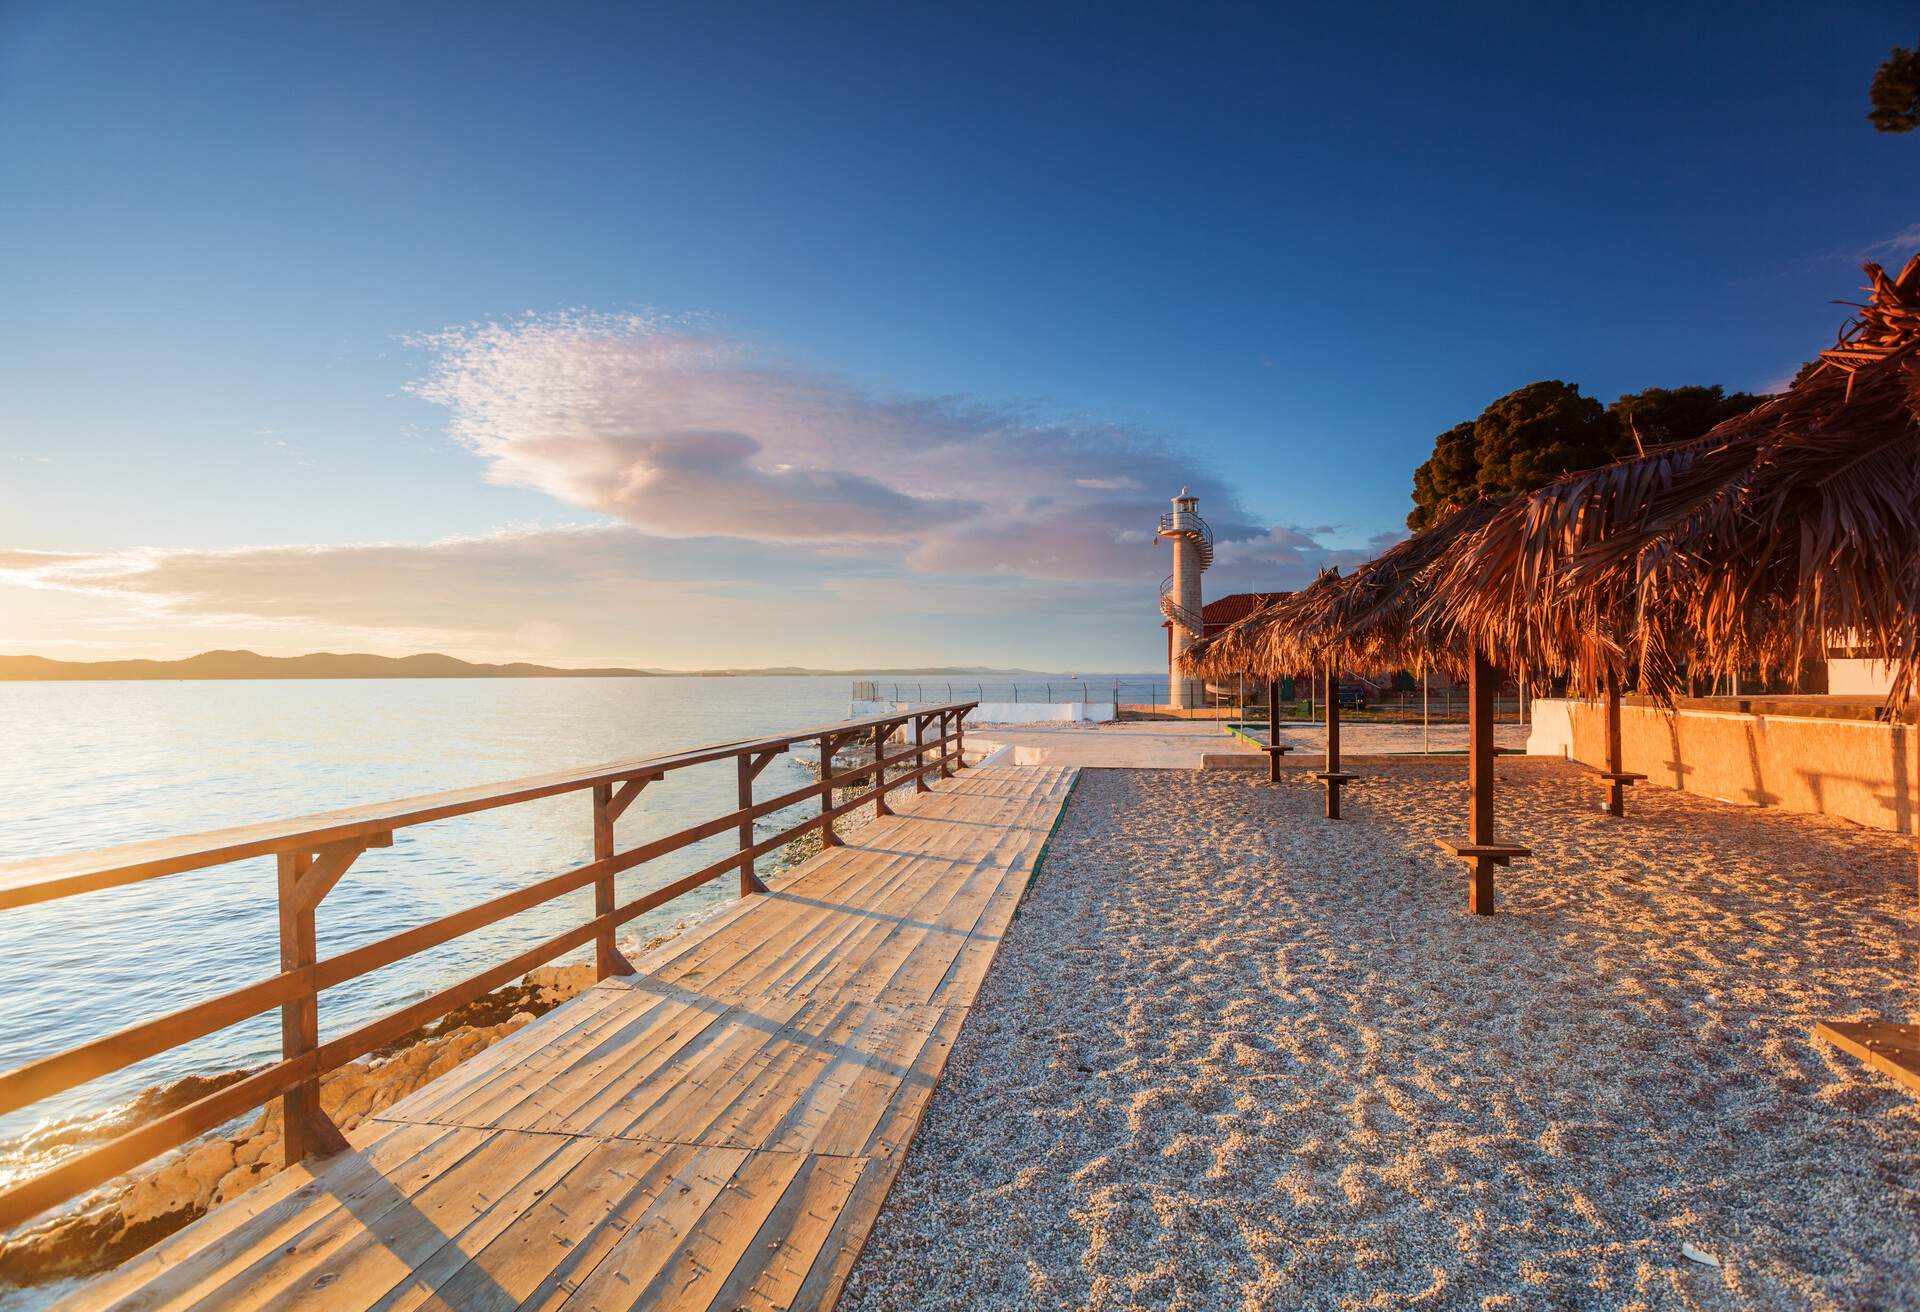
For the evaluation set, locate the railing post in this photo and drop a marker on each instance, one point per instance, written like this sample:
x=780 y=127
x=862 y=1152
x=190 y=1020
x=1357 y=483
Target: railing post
x=606 y=957
x=749 y=881
x=946 y=748
x=960 y=738
x=880 y=807
x=919 y=753
x=305 y=1130
x=827 y=837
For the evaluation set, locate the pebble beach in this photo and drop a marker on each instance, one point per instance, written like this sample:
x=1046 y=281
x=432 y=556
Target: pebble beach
x=1235 y=1056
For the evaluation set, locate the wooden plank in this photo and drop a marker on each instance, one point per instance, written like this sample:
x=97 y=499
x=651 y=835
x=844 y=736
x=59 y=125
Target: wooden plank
x=544 y=1253
x=769 y=1274
x=683 y=1264
x=355 y=1258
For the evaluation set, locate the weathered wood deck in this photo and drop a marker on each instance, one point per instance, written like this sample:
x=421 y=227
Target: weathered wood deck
x=716 y=1131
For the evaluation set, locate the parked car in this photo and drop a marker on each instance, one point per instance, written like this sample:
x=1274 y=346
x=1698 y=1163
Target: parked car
x=1353 y=697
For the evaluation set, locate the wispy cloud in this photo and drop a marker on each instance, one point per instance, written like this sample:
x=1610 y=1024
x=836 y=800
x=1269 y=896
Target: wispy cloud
x=1901 y=244
x=676 y=430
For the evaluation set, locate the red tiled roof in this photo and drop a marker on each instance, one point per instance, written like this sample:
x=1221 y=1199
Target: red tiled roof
x=1222 y=611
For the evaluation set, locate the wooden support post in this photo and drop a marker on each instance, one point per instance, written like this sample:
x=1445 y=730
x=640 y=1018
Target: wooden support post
x=920 y=754
x=1273 y=731
x=960 y=740
x=1333 y=776
x=305 y=878
x=1482 y=687
x=1616 y=785
x=1481 y=850
x=1333 y=740
x=880 y=807
x=946 y=748
x=828 y=745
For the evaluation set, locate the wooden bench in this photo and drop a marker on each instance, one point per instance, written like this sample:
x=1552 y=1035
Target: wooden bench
x=1482 y=858
x=1334 y=780
x=1618 y=781
x=1890 y=1048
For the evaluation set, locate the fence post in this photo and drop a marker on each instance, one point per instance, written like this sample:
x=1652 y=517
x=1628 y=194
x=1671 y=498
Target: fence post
x=605 y=955
x=827 y=837
x=306 y=1130
x=880 y=807
x=960 y=738
x=919 y=753
x=749 y=881
x=946 y=748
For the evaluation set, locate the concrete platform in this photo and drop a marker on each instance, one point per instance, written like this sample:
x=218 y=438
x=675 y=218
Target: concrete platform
x=1131 y=745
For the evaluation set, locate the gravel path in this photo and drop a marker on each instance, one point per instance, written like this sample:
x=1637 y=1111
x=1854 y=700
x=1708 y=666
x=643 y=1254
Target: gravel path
x=1235 y=1056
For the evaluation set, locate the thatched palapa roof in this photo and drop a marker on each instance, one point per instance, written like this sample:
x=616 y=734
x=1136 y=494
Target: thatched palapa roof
x=1783 y=530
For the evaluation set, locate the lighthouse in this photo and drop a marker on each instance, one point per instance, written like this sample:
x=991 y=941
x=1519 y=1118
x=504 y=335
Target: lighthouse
x=1180 y=594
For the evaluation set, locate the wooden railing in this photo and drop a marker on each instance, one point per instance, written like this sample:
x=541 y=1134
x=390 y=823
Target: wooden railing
x=314 y=851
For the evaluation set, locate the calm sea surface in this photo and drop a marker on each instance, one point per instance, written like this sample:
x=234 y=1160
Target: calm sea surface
x=86 y=765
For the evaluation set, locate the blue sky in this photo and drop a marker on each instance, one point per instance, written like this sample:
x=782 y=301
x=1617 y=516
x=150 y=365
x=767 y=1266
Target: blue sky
x=946 y=300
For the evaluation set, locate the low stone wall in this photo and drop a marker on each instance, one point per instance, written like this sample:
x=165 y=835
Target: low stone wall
x=1860 y=770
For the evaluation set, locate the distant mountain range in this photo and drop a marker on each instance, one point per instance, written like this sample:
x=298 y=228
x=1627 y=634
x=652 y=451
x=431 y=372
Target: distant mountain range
x=331 y=665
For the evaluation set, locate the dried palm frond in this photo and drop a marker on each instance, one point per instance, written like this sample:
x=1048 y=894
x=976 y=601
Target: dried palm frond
x=1267 y=643
x=1786 y=529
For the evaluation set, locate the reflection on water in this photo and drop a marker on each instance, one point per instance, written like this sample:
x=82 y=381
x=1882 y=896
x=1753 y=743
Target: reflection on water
x=90 y=764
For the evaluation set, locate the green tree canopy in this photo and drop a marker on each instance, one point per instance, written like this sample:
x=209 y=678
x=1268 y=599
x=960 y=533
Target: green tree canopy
x=1674 y=414
x=1539 y=432
x=1543 y=430
x=1896 y=92
x=1447 y=478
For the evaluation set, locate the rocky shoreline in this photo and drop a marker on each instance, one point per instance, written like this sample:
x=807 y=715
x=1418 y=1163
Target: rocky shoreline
x=145 y=1206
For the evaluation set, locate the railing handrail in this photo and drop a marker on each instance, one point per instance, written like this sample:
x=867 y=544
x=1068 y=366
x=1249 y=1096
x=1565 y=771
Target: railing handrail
x=1189 y=523
x=1170 y=607
x=44 y=879
x=315 y=851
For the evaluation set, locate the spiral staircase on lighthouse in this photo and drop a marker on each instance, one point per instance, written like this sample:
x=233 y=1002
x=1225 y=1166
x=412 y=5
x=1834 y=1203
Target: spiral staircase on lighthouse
x=1179 y=592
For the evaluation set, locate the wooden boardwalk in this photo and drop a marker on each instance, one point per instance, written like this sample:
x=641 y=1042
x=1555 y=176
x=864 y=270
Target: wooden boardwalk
x=716 y=1131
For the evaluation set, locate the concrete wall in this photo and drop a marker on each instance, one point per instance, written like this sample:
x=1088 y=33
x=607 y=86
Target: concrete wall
x=1852 y=677
x=1007 y=712
x=1859 y=770
x=1550 y=727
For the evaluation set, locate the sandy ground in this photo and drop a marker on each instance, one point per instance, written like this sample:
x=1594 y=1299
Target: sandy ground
x=1235 y=1056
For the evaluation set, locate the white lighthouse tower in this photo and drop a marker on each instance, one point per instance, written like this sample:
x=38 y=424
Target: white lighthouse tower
x=1180 y=594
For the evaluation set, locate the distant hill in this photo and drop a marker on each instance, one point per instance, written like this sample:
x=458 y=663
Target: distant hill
x=331 y=665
